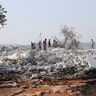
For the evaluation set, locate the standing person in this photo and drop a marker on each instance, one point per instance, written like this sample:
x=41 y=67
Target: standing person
x=54 y=43
x=44 y=44
x=32 y=45
x=40 y=45
x=49 y=43
x=92 y=43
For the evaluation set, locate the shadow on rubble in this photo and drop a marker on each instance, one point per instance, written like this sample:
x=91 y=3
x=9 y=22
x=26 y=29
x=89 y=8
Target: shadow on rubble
x=90 y=74
x=6 y=74
x=89 y=87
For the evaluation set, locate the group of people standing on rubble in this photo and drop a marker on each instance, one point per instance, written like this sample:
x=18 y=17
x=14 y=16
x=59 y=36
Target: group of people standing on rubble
x=43 y=45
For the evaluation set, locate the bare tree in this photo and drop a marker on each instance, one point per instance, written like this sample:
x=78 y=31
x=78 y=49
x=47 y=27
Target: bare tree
x=70 y=38
x=2 y=16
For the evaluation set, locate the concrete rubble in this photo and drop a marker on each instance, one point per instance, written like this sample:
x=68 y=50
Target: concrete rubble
x=19 y=64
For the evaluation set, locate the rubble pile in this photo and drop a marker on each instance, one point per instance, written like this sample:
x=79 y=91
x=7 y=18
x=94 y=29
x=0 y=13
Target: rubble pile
x=53 y=63
x=22 y=68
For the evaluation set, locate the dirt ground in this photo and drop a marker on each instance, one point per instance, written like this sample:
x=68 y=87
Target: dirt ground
x=49 y=87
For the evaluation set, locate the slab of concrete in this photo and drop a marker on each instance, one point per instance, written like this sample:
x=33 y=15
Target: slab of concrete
x=92 y=61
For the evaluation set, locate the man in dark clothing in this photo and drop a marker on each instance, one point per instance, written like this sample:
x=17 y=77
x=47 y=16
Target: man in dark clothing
x=49 y=43
x=40 y=45
x=32 y=45
x=92 y=43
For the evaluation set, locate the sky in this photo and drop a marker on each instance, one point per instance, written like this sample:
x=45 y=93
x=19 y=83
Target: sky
x=27 y=19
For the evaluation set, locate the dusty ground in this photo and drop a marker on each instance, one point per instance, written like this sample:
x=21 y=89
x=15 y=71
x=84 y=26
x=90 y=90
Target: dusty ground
x=49 y=87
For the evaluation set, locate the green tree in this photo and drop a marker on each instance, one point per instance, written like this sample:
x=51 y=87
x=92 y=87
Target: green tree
x=2 y=16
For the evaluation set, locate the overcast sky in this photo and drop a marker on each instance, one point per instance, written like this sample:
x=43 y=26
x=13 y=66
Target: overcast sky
x=28 y=18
